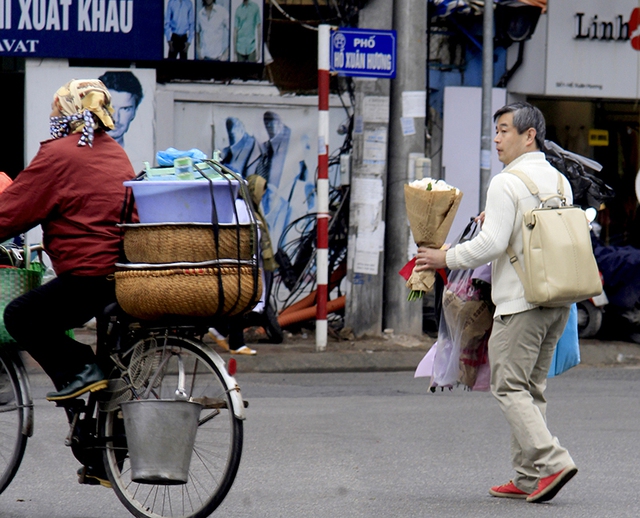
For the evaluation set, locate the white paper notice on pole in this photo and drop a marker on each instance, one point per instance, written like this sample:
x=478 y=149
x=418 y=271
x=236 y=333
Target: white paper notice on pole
x=375 y=109
x=375 y=145
x=414 y=104
x=367 y=191
x=351 y=251
x=368 y=216
x=366 y=262
x=373 y=167
x=408 y=126
x=368 y=248
x=379 y=236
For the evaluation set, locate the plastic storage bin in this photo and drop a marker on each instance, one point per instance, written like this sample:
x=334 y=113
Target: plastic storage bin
x=184 y=201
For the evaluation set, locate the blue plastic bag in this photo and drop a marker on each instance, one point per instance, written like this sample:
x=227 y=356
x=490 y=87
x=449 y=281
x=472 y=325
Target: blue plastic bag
x=567 y=353
x=166 y=157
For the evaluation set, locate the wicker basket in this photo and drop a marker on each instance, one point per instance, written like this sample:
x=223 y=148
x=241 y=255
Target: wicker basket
x=186 y=242
x=13 y=283
x=193 y=292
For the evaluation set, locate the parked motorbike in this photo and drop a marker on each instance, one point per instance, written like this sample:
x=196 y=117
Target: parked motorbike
x=620 y=270
x=615 y=309
x=591 y=315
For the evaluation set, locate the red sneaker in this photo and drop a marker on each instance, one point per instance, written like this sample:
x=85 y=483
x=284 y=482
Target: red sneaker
x=548 y=487
x=508 y=490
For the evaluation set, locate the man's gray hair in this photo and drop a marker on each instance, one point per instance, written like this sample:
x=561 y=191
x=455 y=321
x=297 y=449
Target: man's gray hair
x=525 y=116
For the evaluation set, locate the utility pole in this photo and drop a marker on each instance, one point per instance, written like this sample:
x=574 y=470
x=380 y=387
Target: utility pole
x=487 y=87
x=366 y=254
x=406 y=136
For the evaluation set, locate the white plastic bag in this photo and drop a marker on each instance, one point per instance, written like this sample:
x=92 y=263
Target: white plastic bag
x=460 y=353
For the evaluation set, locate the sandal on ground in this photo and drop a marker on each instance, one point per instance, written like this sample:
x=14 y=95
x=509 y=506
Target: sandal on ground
x=244 y=350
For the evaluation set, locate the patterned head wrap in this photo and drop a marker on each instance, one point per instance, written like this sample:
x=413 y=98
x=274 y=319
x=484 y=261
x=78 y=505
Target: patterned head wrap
x=78 y=101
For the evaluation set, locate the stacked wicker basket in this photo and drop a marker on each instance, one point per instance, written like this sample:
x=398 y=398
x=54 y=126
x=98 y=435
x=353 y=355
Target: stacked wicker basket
x=189 y=269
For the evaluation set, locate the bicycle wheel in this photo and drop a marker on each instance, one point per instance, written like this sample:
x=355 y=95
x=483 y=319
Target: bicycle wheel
x=13 y=436
x=218 y=446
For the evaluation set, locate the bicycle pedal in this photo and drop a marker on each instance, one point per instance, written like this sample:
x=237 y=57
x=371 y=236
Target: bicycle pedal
x=87 y=478
x=71 y=404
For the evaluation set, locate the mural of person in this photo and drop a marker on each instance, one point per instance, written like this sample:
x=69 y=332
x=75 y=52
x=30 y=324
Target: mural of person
x=126 y=95
x=247 y=32
x=271 y=168
x=243 y=152
x=212 y=31
x=179 y=22
x=274 y=150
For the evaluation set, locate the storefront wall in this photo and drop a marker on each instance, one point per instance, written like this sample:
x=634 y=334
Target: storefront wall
x=581 y=68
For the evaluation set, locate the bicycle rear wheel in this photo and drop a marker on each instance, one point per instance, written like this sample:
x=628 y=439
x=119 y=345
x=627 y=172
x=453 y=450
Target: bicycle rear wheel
x=13 y=436
x=218 y=446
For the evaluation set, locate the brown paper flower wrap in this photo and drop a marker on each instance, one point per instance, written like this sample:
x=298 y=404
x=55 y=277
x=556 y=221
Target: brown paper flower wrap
x=469 y=324
x=431 y=215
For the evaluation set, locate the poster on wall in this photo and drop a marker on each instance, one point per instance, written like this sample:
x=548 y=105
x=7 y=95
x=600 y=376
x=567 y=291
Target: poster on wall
x=247 y=31
x=214 y=30
x=278 y=143
x=132 y=91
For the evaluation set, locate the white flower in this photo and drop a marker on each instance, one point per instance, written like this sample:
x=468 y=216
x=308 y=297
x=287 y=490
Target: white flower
x=431 y=184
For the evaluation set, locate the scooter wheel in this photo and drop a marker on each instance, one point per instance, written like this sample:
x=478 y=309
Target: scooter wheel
x=589 y=319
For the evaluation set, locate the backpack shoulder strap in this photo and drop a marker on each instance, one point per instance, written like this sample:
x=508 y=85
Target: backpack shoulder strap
x=560 y=185
x=513 y=258
x=533 y=188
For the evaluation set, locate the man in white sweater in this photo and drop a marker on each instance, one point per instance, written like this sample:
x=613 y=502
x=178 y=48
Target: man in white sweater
x=524 y=336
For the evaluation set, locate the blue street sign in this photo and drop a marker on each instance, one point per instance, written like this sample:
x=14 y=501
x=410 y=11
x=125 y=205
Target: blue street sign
x=363 y=53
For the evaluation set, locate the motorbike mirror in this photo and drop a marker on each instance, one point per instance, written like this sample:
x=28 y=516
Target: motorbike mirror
x=591 y=214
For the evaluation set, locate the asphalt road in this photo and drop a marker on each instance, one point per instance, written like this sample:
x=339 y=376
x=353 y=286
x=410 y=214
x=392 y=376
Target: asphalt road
x=378 y=445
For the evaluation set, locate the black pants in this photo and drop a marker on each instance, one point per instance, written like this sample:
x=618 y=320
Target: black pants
x=247 y=58
x=235 y=326
x=39 y=319
x=179 y=43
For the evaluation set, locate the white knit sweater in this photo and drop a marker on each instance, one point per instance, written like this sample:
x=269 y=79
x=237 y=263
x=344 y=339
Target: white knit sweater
x=507 y=199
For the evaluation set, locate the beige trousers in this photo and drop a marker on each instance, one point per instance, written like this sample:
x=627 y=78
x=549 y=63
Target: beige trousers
x=520 y=352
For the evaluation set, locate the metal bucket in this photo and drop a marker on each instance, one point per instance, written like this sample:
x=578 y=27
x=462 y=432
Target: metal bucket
x=160 y=437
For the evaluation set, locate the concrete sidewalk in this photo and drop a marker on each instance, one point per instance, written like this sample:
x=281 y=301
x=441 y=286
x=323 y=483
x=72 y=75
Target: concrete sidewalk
x=393 y=353
x=387 y=353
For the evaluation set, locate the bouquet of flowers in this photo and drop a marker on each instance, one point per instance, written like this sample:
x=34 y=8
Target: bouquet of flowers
x=431 y=207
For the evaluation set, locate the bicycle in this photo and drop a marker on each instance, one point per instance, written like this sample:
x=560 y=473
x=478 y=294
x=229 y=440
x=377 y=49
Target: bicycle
x=154 y=360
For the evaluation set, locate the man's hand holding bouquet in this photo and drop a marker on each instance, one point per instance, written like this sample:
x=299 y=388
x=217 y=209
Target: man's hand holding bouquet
x=431 y=207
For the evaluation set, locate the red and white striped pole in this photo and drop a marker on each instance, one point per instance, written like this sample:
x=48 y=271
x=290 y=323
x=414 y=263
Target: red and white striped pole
x=322 y=254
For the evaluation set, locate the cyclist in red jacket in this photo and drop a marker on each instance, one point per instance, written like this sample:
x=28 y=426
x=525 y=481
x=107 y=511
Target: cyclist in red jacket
x=73 y=189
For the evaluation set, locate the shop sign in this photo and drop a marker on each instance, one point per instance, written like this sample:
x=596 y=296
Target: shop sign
x=99 y=29
x=593 y=28
x=591 y=49
x=598 y=137
x=616 y=29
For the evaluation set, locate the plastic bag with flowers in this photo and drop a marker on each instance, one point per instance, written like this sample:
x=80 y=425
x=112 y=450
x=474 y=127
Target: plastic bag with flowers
x=431 y=207
x=460 y=355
